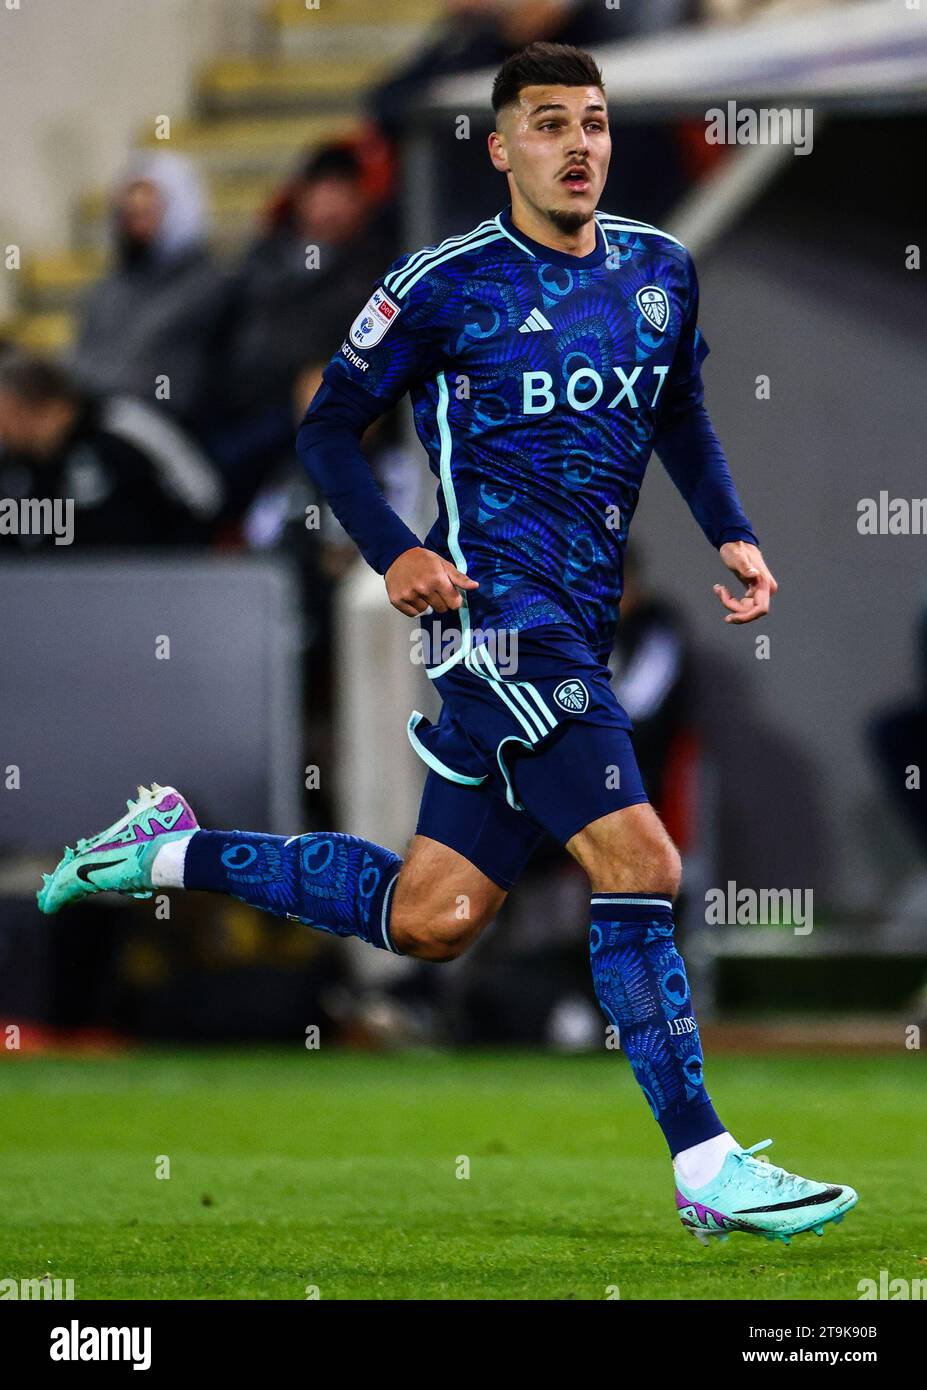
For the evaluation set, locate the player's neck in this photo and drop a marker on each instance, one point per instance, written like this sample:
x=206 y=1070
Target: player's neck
x=540 y=229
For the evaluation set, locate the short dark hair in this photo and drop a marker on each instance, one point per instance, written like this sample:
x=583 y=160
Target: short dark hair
x=36 y=380
x=550 y=64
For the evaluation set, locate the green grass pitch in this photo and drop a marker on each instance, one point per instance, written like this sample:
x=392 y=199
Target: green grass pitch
x=297 y=1169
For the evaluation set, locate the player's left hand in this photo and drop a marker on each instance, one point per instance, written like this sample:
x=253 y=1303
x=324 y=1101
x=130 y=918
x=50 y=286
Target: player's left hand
x=745 y=560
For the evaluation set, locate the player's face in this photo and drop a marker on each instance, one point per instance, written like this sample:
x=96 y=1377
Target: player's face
x=556 y=146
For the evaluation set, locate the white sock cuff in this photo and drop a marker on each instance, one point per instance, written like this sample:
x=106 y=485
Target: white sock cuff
x=167 y=865
x=704 y=1161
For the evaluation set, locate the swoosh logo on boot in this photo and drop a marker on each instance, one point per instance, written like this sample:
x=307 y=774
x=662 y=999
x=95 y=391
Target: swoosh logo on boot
x=86 y=870
x=817 y=1200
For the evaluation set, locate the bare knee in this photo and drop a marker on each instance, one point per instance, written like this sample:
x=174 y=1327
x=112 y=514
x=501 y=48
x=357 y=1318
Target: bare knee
x=664 y=868
x=629 y=852
x=438 y=921
x=655 y=868
x=438 y=936
x=441 y=904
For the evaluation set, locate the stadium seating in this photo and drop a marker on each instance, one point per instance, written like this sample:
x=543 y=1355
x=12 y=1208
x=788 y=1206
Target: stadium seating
x=300 y=83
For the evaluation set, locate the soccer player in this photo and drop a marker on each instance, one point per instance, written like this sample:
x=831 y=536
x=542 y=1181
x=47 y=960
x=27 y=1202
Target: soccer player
x=547 y=352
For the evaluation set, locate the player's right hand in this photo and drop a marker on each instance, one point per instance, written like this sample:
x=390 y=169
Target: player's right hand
x=420 y=579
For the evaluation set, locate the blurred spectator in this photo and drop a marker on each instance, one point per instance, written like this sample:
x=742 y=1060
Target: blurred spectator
x=651 y=676
x=154 y=314
x=898 y=741
x=134 y=477
x=468 y=35
x=742 y=11
x=474 y=34
x=291 y=302
x=302 y=282
x=586 y=23
x=288 y=513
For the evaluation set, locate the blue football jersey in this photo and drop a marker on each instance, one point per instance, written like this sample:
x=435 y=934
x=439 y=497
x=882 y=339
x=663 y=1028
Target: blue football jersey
x=537 y=381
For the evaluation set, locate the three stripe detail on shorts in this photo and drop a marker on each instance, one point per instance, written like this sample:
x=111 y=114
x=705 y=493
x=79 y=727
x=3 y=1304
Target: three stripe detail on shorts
x=520 y=697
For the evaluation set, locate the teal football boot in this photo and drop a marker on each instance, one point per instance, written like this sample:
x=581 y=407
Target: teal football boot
x=119 y=858
x=754 y=1196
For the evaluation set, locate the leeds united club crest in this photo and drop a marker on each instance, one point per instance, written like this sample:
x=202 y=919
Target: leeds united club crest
x=654 y=305
x=572 y=696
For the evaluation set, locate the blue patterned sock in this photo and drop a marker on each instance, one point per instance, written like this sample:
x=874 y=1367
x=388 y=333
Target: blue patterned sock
x=640 y=983
x=338 y=883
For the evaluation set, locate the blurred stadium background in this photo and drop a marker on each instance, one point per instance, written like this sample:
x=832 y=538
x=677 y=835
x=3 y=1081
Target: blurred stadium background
x=167 y=166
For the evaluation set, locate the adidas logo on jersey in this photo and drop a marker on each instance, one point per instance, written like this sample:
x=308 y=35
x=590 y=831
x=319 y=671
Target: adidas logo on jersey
x=535 y=323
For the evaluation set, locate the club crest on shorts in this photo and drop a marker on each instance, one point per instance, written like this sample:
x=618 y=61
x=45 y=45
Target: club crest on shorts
x=373 y=320
x=654 y=305
x=572 y=696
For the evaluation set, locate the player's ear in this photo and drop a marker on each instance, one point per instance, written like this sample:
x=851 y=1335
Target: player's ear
x=496 y=146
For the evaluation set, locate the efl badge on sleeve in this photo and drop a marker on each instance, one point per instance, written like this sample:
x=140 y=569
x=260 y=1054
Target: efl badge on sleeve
x=654 y=305
x=373 y=320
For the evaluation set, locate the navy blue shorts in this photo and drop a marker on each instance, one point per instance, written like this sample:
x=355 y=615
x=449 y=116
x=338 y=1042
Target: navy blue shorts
x=524 y=748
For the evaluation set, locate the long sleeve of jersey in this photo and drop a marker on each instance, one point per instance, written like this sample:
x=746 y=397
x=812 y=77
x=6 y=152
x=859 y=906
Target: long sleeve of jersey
x=328 y=443
x=692 y=455
x=688 y=446
x=358 y=385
